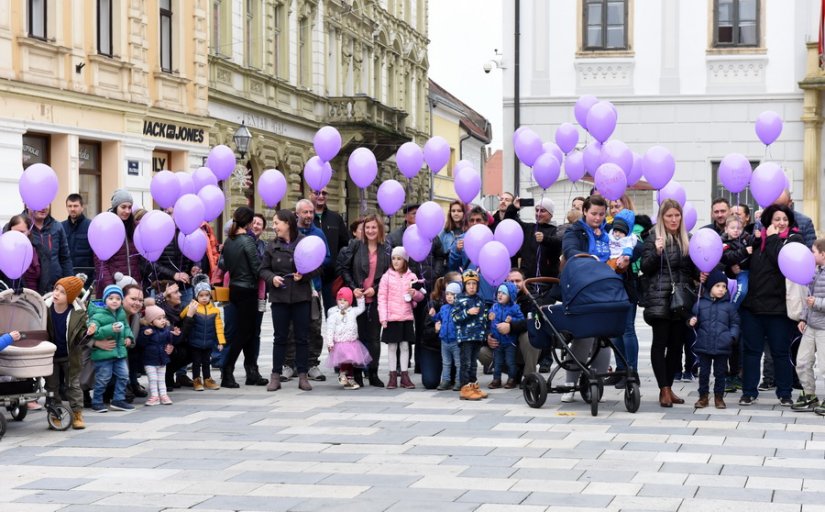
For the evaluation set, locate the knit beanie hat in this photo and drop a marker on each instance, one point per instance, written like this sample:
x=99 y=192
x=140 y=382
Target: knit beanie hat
x=716 y=276
x=202 y=287
x=621 y=226
x=400 y=252
x=548 y=205
x=121 y=196
x=123 y=281
x=454 y=288
x=344 y=293
x=152 y=313
x=628 y=217
x=502 y=288
x=73 y=287
x=470 y=275
x=112 y=289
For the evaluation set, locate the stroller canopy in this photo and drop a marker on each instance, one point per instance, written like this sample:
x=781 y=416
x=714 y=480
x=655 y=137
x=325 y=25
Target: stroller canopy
x=22 y=310
x=587 y=283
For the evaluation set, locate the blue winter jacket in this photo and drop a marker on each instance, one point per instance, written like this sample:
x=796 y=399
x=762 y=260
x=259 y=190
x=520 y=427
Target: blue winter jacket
x=5 y=341
x=448 y=333
x=502 y=311
x=51 y=241
x=717 y=325
x=470 y=327
x=77 y=235
x=154 y=345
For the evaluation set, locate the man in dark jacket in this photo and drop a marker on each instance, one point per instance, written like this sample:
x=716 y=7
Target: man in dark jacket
x=803 y=222
x=541 y=249
x=337 y=237
x=719 y=210
x=77 y=235
x=49 y=238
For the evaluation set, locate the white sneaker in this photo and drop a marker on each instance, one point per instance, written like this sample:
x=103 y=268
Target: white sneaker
x=351 y=384
x=570 y=396
x=315 y=373
x=342 y=379
x=287 y=373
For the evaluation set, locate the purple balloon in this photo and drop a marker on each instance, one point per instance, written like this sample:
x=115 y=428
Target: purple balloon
x=391 y=197
x=106 y=235
x=189 y=213
x=592 y=157
x=658 y=166
x=271 y=187
x=187 y=185
x=691 y=216
x=554 y=149
x=363 y=168
x=38 y=187
x=475 y=239
x=574 y=166
x=165 y=189
x=705 y=249
x=735 y=172
x=193 y=245
x=160 y=230
x=467 y=183
x=767 y=183
x=673 y=190
x=583 y=105
x=213 y=202
x=768 y=127
x=610 y=181
x=16 y=253
x=546 y=170
x=417 y=245
x=635 y=170
x=317 y=173
x=509 y=233
x=137 y=239
x=460 y=164
x=436 y=153
x=601 y=120
x=203 y=177
x=567 y=136
x=430 y=219
x=309 y=254
x=409 y=159
x=221 y=161
x=518 y=132
x=617 y=152
x=797 y=263
x=327 y=143
x=528 y=147
x=494 y=262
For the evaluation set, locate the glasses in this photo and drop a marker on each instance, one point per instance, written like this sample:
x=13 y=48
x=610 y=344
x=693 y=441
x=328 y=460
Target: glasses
x=322 y=193
x=540 y=210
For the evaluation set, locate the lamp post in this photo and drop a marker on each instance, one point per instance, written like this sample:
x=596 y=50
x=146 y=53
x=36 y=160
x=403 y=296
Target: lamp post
x=242 y=138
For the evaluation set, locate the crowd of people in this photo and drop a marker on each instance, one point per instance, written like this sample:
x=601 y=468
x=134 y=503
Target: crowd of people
x=438 y=318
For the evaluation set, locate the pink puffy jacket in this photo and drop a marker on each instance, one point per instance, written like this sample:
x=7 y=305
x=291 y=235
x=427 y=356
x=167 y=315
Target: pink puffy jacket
x=391 y=290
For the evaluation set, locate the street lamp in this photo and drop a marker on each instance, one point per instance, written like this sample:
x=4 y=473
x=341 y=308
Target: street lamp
x=242 y=138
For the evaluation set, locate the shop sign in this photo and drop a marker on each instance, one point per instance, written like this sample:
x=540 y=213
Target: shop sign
x=133 y=167
x=171 y=131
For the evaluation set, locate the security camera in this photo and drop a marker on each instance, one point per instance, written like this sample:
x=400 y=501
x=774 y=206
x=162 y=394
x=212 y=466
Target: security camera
x=488 y=66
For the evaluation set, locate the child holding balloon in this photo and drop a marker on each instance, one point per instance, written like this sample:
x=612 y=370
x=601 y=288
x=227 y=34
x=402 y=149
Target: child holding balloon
x=737 y=249
x=812 y=345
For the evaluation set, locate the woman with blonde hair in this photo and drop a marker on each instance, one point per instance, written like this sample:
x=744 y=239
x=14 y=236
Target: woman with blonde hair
x=667 y=266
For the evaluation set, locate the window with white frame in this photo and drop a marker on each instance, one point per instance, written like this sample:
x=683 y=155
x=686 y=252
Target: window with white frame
x=736 y=23
x=104 y=27
x=605 y=25
x=166 y=35
x=36 y=10
x=253 y=34
x=304 y=53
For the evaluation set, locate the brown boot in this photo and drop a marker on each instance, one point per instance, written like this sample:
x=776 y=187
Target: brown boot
x=510 y=384
x=664 y=397
x=393 y=382
x=406 y=383
x=479 y=392
x=673 y=398
x=197 y=384
x=719 y=401
x=303 y=382
x=77 y=420
x=274 y=382
x=468 y=393
x=702 y=402
x=494 y=384
x=211 y=384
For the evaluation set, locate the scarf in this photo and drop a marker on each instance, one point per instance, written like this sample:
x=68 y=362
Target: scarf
x=784 y=234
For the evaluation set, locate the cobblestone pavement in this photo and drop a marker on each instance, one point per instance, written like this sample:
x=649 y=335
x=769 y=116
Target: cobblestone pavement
x=376 y=450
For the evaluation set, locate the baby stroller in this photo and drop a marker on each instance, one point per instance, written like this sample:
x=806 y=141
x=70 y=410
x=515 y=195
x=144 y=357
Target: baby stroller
x=23 y=363
x=594 y=305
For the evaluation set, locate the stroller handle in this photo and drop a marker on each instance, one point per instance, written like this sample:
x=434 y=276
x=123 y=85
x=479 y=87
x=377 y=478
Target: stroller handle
x=544 y=280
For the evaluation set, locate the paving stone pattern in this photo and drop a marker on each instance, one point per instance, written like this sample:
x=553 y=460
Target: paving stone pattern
x=408 y=450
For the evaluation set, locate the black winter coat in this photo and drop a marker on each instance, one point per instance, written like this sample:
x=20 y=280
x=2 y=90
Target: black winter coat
x=240 y=259
x=77 y=235
x=657 y=285
x=353 y=264
x=717 y=325
x=546 y=253
x=171 y=262
x=337 y=233
x=279 y=260
x=735 y=252
x=766 y=284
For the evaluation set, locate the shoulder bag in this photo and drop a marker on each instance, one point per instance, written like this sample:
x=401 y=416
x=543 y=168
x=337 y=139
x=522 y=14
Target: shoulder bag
x=682 y=296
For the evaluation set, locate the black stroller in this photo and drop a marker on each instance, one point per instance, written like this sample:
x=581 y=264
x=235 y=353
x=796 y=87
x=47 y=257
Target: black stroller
x=594 y=305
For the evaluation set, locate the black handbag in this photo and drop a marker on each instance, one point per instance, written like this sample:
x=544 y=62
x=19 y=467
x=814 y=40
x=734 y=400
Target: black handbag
x=682 y=296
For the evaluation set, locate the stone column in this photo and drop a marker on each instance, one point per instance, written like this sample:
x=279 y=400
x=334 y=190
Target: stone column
x=813 y=85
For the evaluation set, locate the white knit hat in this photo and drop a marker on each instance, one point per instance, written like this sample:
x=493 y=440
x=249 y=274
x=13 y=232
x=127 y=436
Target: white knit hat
x=400 y=252
x=548 y=205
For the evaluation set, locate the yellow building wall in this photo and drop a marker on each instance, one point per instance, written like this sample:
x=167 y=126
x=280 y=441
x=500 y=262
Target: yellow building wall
x=443 y=190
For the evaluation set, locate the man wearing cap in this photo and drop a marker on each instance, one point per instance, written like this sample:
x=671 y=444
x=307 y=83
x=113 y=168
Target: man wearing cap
x=541 y=250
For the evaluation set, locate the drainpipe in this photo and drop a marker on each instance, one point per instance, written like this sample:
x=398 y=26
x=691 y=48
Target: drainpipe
x=461 y=157
x=431 y=105
x=516 y=95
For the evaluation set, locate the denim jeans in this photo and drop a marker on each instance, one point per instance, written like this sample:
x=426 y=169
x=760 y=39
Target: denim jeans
x=469 y=361
x=450 y=355
x=777 y=331
x=720 y=369
x=504 y=354
x=297 y=314
x=741 y=287
x=104 y=370
x=628 y=343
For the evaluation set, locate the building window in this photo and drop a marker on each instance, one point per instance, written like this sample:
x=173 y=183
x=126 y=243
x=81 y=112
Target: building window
x=89 y=159
x=278 y=36
x=35 y=149
x=37 y=18
x=719 y=190
x=736 y=23
x=216 y=26
x=605 y=25
x=253 y=34
x=304 y=55
x=166 y=35
x=104 y=27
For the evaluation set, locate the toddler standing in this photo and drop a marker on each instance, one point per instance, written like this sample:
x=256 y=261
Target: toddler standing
x=156 y=339
x=471 y=331
x=396 y=300
x=812 y=327
x=204 y=330
x=505 y=310
x=341 y=333
x=110 y=323
x=717 y=326
x=445 y=327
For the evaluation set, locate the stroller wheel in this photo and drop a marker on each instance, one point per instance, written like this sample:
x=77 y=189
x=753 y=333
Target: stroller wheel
x=19 y=411
x=586 y=387
x=535 y=390
x=59 y=417
x=595 y=395
x=632 y=397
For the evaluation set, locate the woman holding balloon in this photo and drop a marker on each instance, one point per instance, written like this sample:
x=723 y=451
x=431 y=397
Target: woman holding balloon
x=666 y=264
x=763 y=313
x=126 y=260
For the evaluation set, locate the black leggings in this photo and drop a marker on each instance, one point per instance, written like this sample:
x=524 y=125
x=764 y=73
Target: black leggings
x=666 y=350
x=369 y=329
x=245 y=301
